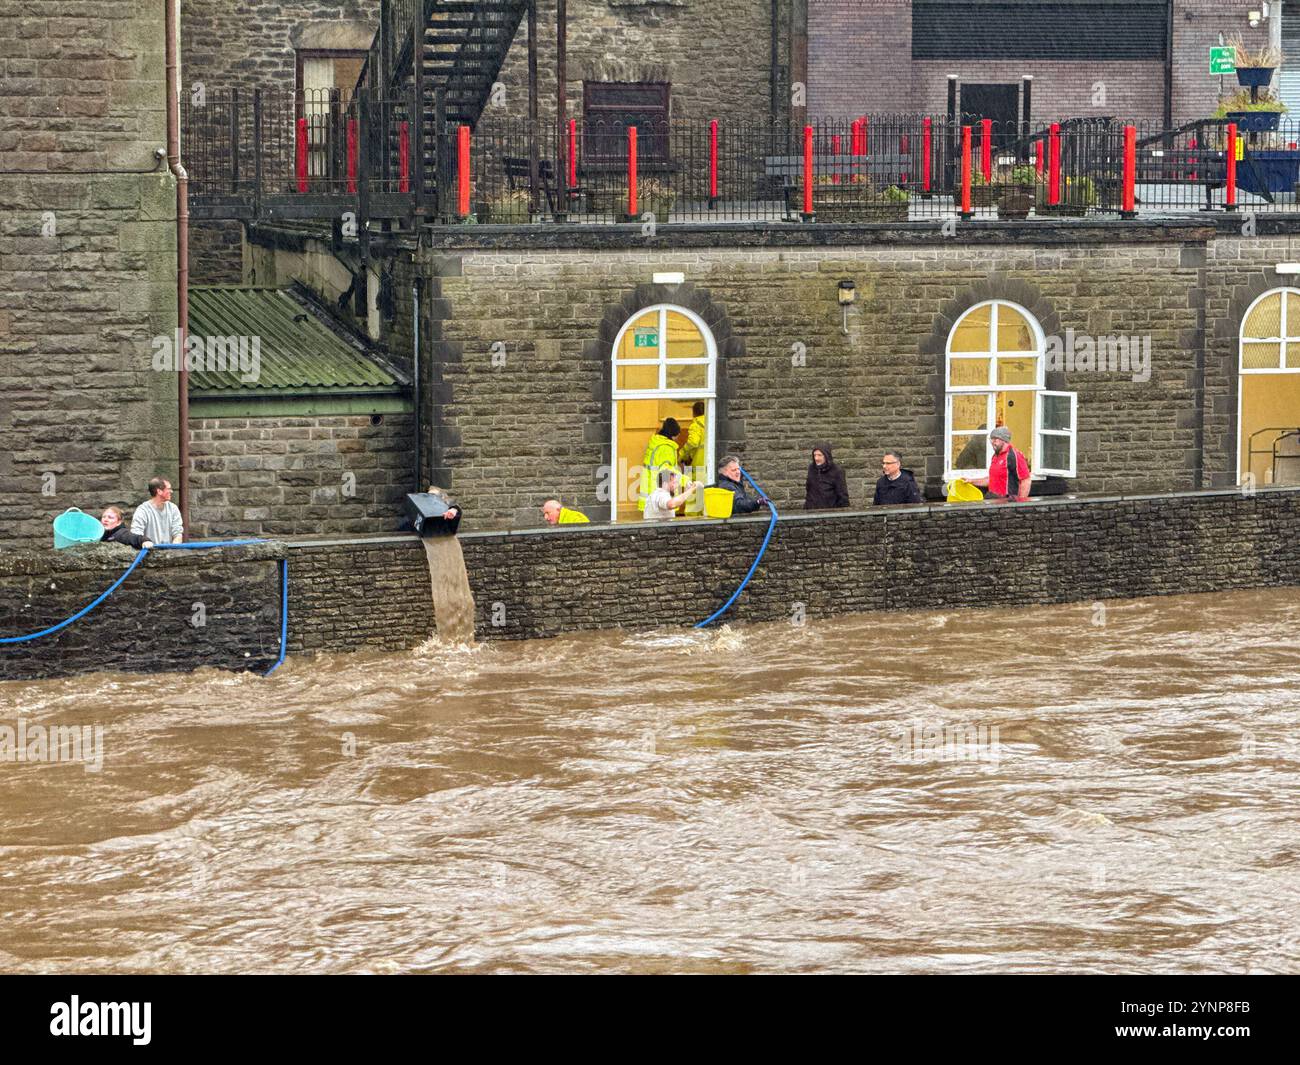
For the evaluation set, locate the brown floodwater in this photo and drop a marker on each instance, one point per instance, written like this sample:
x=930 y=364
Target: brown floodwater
x=1121 y=796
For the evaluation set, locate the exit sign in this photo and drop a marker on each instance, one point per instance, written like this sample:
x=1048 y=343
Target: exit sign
x=645 y=338
x=1223 y=60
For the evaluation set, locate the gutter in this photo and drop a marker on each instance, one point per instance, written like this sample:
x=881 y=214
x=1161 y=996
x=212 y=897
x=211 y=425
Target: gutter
x=172 y=24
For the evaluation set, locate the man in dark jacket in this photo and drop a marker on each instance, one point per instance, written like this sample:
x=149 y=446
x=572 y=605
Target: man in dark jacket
x=730 y=478
x=897 y=485
x=826 y=487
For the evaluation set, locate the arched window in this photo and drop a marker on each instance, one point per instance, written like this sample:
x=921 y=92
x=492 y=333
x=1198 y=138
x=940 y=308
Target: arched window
x=665 y=366
x=1268 y=396
x=995 y=376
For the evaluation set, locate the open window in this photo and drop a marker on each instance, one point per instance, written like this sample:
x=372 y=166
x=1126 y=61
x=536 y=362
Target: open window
x=664 y=366
x=995 y=377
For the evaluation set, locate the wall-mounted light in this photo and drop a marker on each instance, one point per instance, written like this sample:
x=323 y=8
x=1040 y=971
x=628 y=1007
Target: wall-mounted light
x=848 y=295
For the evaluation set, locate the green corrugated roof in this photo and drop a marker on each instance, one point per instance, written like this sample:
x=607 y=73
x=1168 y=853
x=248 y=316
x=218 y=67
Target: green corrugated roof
x=298 y=354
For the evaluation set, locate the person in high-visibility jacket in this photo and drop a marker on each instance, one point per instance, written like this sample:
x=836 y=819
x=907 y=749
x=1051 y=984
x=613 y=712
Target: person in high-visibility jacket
x=553 y=513
x=692 y=453
x=660 y=452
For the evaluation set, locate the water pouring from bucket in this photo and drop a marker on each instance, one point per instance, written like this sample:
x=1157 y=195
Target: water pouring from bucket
x=435 y=520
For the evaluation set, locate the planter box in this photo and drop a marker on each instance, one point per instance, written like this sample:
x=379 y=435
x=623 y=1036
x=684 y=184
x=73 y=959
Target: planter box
x=1254 y=77
x=1278 y=172
x=983 y=195
x=1255 y=121
x=1016 y=201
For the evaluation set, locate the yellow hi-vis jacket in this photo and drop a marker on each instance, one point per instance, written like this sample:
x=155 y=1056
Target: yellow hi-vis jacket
x=659 y=453
x=572 y=517
x=696 y=435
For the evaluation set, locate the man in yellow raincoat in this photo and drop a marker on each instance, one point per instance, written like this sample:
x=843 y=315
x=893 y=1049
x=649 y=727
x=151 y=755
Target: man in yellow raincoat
x=660 y=452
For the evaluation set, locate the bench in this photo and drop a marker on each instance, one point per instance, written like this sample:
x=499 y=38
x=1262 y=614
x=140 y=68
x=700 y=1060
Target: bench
x=881 y=169
x=518 y=172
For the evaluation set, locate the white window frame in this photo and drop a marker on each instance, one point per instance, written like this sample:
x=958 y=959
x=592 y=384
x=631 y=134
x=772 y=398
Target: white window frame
x=991 y=388
x=1282 y=341
x=1072 y=433
x=708 y=394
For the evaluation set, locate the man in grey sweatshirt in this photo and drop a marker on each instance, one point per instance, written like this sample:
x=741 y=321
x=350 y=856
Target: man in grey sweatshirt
x=158 y=518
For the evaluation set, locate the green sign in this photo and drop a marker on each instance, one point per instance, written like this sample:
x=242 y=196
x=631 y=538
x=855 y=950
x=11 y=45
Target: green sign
x=1223 y=60
x=645 y=338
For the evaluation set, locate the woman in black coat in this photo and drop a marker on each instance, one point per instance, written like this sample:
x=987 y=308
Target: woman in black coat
x=827 y=486
x=117 y=533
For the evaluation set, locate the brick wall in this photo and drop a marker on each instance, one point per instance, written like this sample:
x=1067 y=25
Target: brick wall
x=860 y=61
x=87 y=260
x=283 y=476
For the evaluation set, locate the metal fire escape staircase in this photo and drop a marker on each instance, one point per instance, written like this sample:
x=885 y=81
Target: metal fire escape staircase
x=461 y=46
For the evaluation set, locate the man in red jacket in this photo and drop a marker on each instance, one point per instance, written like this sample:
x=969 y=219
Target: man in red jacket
x=1008 y=471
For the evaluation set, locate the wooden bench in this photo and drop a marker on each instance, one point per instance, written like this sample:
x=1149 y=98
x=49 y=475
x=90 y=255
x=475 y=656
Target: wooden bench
x=518 y=172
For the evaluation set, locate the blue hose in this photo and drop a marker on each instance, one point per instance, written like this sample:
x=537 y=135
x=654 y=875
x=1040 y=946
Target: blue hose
x=284 y=594
x=771 y=527
x=83 y=611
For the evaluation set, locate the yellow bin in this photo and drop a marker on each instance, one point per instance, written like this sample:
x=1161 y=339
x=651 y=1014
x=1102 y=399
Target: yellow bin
x=718 y=502
x=962 y=491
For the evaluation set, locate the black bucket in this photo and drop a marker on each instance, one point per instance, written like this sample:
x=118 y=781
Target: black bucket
x=426 y=512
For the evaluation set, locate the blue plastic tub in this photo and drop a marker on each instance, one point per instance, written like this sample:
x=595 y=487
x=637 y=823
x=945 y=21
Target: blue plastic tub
x=74 y=527
x=1278 y=171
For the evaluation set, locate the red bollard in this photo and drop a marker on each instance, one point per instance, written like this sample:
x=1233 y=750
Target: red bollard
x=352 y=156
x=986 y=149
x=631 y=172
x=462 y=171
x=807 y=172
x=1054 y=165
x=1038 y=157
x=1194 y=146
x=927 y=143
x=856 y=140
x=904 y=149
x=300 y=155
x=966 y=212
x=835 y=150
x=404 y=157
x=1230 y=193
x=713 y=160
x=573 y=153
x=866 y=144
x=1129 y=206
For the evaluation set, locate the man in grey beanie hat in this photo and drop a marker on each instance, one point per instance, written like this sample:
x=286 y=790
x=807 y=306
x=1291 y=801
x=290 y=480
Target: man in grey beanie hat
x=1008 y=469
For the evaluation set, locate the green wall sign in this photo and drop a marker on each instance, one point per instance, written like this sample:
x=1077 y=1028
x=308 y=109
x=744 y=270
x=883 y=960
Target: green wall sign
x=1223 y=60
x=645 y=338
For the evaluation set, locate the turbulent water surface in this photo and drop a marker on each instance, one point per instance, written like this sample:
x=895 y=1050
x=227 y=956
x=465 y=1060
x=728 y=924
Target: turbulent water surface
x=1067 y=788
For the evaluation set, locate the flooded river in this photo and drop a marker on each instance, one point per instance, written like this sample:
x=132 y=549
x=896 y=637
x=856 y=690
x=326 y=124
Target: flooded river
x=1051 y=789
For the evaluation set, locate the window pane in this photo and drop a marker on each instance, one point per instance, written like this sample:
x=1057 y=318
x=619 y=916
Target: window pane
x=1014 y=332
x=638 y=378
x=974 y=331
x=964 y=373
x=684 y=338
x=1260 y=356
x=969 y=412
x=688 y=376
x=969 y=452
x=1017 y=371
x=641 y=340
x=1293 y=353
x=1056 y=452
x=1293 y=314
x=1056 y=412
x=1266 y=319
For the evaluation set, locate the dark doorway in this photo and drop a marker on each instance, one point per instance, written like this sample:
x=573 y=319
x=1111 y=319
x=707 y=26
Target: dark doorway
x=1001 y=103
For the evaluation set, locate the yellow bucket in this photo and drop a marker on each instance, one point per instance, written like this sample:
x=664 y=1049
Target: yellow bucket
x=718 y=502
x=962 y=491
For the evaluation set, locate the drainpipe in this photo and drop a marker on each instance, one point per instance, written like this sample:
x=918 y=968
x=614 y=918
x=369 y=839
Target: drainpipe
x=182 y=250
x=415 y=372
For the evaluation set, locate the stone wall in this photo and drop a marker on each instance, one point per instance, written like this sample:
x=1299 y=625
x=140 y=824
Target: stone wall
x=538 y=422
x=350 y=595
x=299 y=476
x=87 y=260
x=178 y=611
